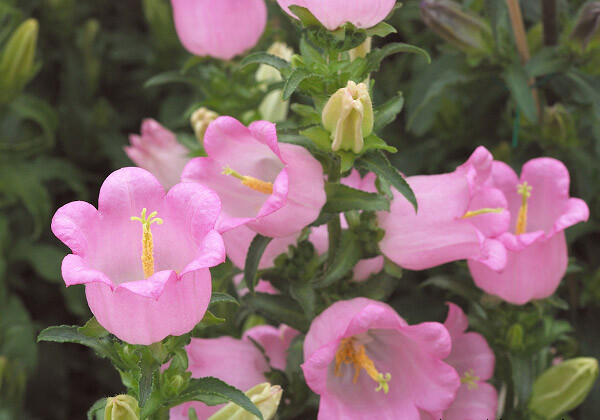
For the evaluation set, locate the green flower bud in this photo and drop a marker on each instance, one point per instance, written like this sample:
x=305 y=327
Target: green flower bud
x=587 y=27
x=17 y=66
x=348 y=116
x=200 y=120
x=464 y=30
x=265 y=396
x=515 y=337
x=563 y=387
x=122 y=407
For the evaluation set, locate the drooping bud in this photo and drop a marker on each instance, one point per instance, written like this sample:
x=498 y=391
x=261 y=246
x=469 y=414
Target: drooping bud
x=348 y=116
x=460 y=28
x=265 y=396
x=200 y=120
x=122 y=407
x=587 y=27
x=563 y=387
x=273 y=108
x=17 y=60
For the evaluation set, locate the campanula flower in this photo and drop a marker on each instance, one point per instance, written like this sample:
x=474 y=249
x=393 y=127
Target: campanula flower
x=458 y=217
x=144 y=255
x=220 y=29
x=274 y=189
x=366 y=362
x=334 y=13
x=540 y=210
x=274 y=341
x=157 y=150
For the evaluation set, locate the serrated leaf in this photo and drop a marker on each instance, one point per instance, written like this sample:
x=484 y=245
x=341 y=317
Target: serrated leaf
x=345 y=259
x=146 y=384
x=305 y=295
x=382 y=29
x=93 y=329
x=295 y=78
x=306 y=17
x=375 y=57
x=312 y=56
x=71 y=334
x=517 y=82
x=387 y=113
x=96 y=408
x=341 y=198
x=373 y=142
x=280 y=309
x=213 y=391
x=222 y=297
x=265 y=58
x=255 y=252
x=376 y=162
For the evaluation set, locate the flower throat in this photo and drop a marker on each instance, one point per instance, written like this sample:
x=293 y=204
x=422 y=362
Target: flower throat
x=351 y=353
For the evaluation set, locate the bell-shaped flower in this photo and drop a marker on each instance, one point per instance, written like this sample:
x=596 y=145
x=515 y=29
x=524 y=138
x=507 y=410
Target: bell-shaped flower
x=157 y=150
x=240 y=363
x=274 y=341
x=334 y=13
x=367 y=363
x=220 y=29
x=458 y=216
x=274 y=189
x=474 y=361
x=144 y=255
x=540 y=210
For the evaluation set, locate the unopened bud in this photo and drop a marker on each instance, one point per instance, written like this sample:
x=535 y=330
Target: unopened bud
x=563 y=387
x=200 y=120
x=264 y=396
x=588 y=24
x=122 y=407
x=515 y=337
x=17 y=66
x=462 y=29
x=558 y=125
x=348 y=116
x=266 y=73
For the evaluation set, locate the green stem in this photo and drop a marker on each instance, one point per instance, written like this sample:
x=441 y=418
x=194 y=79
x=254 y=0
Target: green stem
x=334 y=227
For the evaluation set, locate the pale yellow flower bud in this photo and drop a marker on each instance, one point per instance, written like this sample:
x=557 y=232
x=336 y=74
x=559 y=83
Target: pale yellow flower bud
x=200 y=120
x=122 y=407
x=265 y=396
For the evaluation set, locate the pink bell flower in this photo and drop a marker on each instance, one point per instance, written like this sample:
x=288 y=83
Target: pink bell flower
x=274 y=189
x=540 y=209
x=474 y=361
x=334 y=13
x=366 y=362
x=458 y=217
x=157 y=150
x=220 y=29
x=143 y=256
x=237 y=362
x=274 y=341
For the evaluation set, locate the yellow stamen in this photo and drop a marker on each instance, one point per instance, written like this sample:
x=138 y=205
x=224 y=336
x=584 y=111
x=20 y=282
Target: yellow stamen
x=486 y=210
x=250 y=182
x=147 y=242
x=351 y=353
x=470 y=379
x=524 y=190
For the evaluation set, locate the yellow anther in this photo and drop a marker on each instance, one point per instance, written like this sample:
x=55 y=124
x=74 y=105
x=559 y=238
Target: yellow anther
x=351 y=353
x=147 y=241
x=486 y=210
x=524 y=190
x=250 y=182
x=470 y=379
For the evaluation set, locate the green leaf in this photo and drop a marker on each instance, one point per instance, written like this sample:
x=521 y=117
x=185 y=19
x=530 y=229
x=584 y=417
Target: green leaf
x=32 y=108
x=319 y=136
x=341 y=198
x=295 y=78
x=375 y=57
x=222 y=297
x=372 y=142
x=265 y=58
x=345 y=259
x=305 y=295
x=522 y=376
x=213 y=391
x=146 y=385
x=517 y=81
x=307 y=19
x=382 y=29
x=547 y=60
x=174 y=76
x=387 y=113
x=279 y=309
x=209 y=320
x=44 y=259
x=98 y=407
x=312 y=56
x=93 y=329
x=255 y=252
x=376 y=162
x=71 y=334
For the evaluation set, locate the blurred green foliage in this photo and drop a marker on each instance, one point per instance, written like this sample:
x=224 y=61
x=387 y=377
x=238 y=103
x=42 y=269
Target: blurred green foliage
x=99 y=68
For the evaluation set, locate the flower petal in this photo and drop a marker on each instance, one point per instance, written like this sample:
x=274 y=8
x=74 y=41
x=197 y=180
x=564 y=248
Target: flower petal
x=75 y=224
